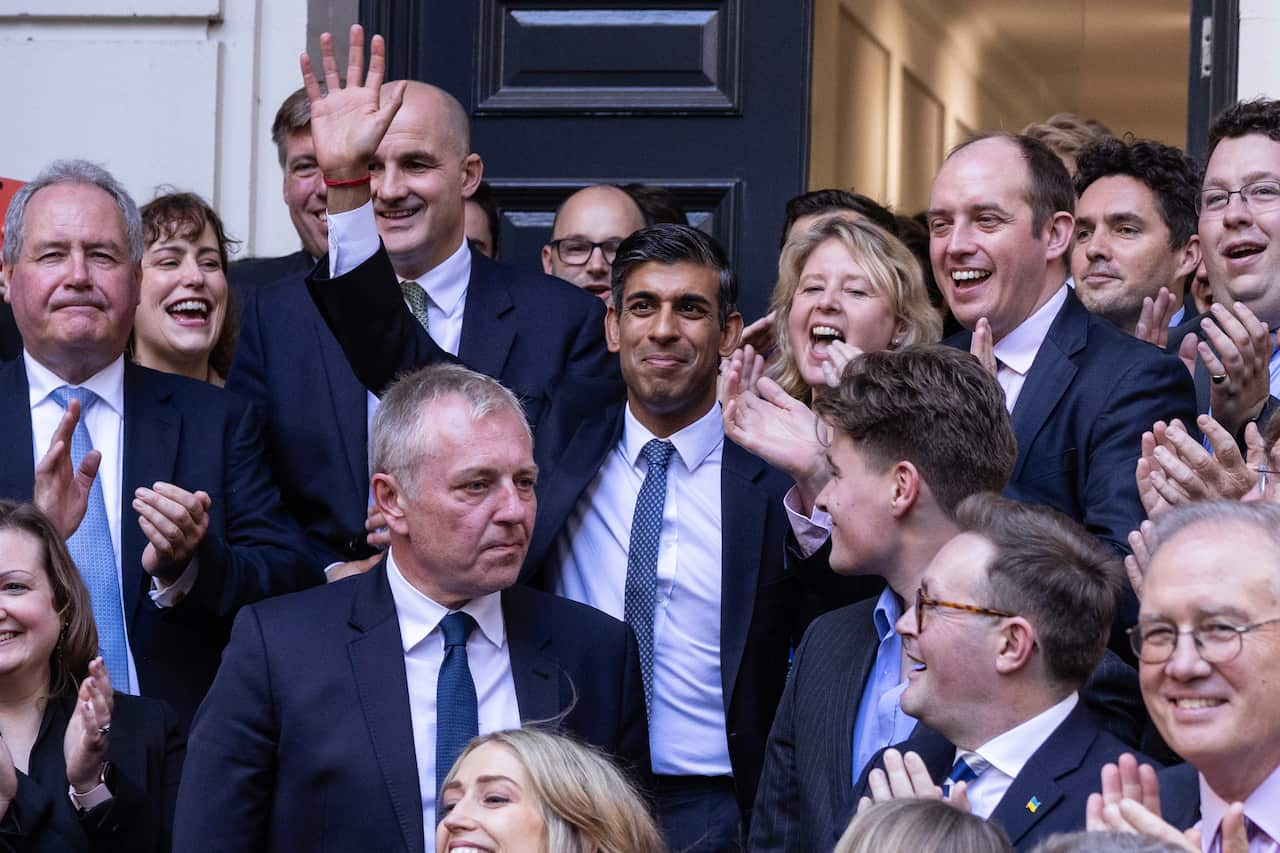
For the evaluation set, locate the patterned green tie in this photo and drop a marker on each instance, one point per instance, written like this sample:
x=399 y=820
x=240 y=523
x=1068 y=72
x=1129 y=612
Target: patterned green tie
x=418 y=301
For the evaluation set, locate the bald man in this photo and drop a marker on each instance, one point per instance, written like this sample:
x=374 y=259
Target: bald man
x=588 y=228
x=402 y=289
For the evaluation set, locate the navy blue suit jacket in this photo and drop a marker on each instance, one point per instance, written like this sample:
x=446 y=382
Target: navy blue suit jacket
x=195 y=436
x=10 y=337
x=1059 y=777
x=249 y=273
x=306 y=739
x=525 y=330
x=758 y=610
x=1079 y=419
x=1180 y=795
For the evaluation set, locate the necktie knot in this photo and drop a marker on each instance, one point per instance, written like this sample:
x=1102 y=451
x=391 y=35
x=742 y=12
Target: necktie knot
x=658 y=453
x=966 y=769
x=65 y=394
x=456 y=627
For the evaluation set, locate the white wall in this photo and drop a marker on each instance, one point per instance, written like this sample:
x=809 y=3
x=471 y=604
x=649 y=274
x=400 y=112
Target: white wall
x=1259 y=72
x=178 y=92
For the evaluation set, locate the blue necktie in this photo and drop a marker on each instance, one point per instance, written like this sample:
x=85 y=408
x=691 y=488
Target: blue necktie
x=963 y=771
x=641 y=596
x=94 y=555
x=457 y=711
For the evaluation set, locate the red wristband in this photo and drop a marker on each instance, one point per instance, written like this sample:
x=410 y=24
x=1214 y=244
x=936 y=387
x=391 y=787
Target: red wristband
x=355 y=182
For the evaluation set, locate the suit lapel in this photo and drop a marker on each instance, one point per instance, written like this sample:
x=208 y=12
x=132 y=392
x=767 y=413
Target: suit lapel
x=377 y=665
x=860 y=643
x=743 y=508
x=350 y=404
x=1036 y=791
x=1049 y=377
x=536 y=675
x=486 y=339
x=152 y=432
x=17 y=476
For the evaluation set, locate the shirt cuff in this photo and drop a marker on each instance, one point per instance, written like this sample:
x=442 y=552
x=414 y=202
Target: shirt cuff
x=353 y=238
x=812 y=531
x=171 y=594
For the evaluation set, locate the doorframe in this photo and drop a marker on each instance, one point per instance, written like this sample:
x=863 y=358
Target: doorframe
x=1210 y=89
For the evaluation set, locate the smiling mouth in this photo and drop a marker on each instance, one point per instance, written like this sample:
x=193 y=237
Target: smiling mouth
x=5 y=636
x=398 y=213
x=966 y=277
x=825 y=334
x=190 y=309
x=1244 y=251
x=1197 y=703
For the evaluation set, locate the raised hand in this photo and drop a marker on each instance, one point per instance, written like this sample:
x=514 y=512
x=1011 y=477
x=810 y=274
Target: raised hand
x=348 y=122
x=1240 y=374
x=782 y=431
x=739 y=372
x=1154 y=317
x=839 y=354
x=61 y=491
x=1143 y=543
x=1195 y=473
x=175 y=522
x=89 y=730
x=982 y=346
x=904 y=777
x=760 y=335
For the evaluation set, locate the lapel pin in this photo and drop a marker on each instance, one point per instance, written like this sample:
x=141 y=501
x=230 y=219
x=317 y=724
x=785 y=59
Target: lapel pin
x=1033 y=804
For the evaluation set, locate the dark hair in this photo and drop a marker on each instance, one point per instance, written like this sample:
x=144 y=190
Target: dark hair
x=1165 y=170
x=483 y=196
x=185 y=215
x=1048 y=188
x=78 y=641
x=932 y=405
x=1260 y=115
x=1048 y=569
x=668 y=243
x=834 y=200
x=658 y=204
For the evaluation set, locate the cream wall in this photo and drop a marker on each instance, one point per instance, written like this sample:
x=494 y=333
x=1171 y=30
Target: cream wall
x=1259 y=72
x=177 y=92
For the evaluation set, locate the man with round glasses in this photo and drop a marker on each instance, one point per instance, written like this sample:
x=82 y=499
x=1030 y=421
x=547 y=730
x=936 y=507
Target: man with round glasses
x=1208 y=644
x=589 y=227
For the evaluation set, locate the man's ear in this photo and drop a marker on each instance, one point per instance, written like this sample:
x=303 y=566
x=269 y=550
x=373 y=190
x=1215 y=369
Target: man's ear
x=1017 y=645
x=906 y=485
x=546 y=259
x=730 y=335
x=612 y=333
x=472 y=174
x=388 y=494
x=1188 y=258
x=1058 y=232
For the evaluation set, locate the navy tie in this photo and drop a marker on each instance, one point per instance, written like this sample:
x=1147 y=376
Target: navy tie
x=641 y=596
x=93 y=553
x=963 y=771
x=457 y=712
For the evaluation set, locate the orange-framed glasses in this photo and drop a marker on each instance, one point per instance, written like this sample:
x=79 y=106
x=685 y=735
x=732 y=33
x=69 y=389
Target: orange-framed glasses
x=923 y=600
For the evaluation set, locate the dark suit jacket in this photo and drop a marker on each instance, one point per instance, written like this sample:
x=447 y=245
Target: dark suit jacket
x=250 y=273
x=306 y=740
x=1079 y=419
x=758 y=596
x=1061 y=775
x=145 y=754
x=1180 y=795
x=807 y=785
x=10 y=338
x=516 y=327
x=195 y=436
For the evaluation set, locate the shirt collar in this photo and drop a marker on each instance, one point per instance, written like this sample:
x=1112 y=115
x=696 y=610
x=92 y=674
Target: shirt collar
x=1009 y=752
x=694 y=444
x=1017 y=350
x=419 y=616
x=888 y=612
x=447 y=282
x=107 y=383
x=1262 y=807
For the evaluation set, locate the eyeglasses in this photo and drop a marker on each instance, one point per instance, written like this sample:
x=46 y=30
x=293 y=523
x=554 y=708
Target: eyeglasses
x=1264 y=480
x=1257 y=196
x=575 y=251
x=1216 y=642
x=923 y=600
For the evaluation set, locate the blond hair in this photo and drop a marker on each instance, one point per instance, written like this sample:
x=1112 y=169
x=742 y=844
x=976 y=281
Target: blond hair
x=894 y=273
x=587 y=805
x=922 y=826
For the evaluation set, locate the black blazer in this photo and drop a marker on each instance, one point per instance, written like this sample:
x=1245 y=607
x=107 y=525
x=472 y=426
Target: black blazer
x=758 y=596
x=306 y=740
x=145 y=757
x=1060 y=775
x=1079 y=419
x=524 y=330
x=249 y=273
x=1180 y=795
x=807 y=785
x=10 y=337
x=195 y=436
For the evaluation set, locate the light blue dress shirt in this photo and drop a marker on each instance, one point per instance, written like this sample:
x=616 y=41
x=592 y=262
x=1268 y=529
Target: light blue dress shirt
x=881 y=721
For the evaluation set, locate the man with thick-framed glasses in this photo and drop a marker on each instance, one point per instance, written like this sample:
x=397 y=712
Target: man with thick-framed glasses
x=1208 y=645
x=589 y=227
x=1009 y=620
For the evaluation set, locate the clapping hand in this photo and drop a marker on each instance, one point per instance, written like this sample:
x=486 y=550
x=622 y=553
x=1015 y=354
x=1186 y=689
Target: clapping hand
x=89 y=730
x=61 y=490
x=1154 y=317
x=1239 y=370
x=906 y=777
x=782 y=431
x=175 y=522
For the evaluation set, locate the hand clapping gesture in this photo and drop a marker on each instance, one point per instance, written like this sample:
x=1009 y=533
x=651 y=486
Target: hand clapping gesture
x=61 y=490
x=89 y=730
x=906 y=777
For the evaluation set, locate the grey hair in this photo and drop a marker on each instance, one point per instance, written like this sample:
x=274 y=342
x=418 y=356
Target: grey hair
x=71 y=172
x=401 y=434
x=1103 y=842
x=1264 y=516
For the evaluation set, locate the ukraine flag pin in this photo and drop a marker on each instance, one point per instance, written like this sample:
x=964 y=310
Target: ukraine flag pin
x=1033 y=804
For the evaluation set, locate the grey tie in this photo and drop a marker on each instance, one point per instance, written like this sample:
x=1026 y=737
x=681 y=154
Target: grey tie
x=418 y=302
x=641 y=591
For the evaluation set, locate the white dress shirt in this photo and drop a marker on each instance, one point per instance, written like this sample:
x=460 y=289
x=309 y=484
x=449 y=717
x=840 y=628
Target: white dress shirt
x=1016 y=351
x=1008 y=753
x=105 y=422
x=687 y=717
x=488 y=658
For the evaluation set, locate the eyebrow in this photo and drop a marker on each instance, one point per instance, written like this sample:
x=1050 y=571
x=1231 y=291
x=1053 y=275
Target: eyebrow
x=89 y=245
x=496 y=777
x=1201 y=613
x=1250 y=178
x=679 y=297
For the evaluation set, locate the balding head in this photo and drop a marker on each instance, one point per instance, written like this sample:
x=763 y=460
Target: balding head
x=596 y=214
x=423 y=172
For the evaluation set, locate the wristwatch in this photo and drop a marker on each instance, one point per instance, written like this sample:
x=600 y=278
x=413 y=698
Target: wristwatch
x=95 y=796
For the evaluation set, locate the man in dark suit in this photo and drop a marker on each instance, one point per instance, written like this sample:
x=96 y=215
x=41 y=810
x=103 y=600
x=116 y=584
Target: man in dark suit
x=1079 y=390
x=526 y=330
x=182 y=524
x=282 y=755
x=10 y=338
x=1009 y=620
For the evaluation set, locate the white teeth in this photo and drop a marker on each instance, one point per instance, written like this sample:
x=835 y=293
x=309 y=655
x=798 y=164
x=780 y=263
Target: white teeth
x=397 y=214
x=7 y=635
x=919 y=667
x=324 y=216
x=196 y=306
x=1192 y=704
x=969 y=275
x=826 y=332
